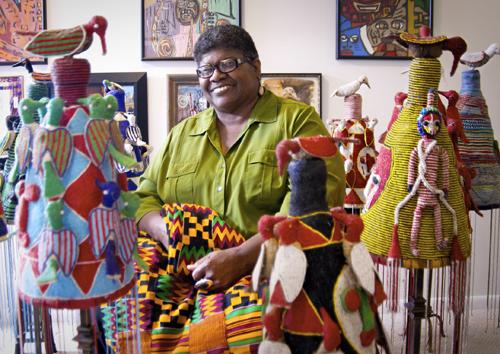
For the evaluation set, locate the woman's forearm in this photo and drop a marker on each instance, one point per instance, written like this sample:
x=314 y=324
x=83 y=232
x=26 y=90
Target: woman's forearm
x=153 y=224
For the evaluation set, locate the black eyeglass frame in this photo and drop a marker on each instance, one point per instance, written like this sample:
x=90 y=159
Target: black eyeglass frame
x=237 y=61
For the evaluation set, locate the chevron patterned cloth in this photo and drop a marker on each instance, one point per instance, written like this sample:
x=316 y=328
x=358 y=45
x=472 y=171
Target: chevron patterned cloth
x=173 y=316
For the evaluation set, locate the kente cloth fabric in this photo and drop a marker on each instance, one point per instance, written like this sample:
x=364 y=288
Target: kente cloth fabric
x=173 y=316
x=401 y=140
x=192 y=168
x=481 y=153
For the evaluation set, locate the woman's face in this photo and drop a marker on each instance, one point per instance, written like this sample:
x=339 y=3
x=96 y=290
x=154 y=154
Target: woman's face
x=229 y=92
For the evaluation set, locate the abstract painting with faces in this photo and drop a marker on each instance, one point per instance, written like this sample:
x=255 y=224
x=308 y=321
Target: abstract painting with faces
x=171 y=27
x=362 y=26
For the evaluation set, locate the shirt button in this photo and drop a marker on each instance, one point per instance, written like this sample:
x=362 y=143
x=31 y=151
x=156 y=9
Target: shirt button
x=219 y=188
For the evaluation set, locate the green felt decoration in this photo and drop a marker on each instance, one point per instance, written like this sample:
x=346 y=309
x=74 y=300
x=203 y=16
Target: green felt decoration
x=130 y=203
x=122 y=159
x=54 y=212
x=55 y=111
x=52 y=185
x=49 y=275
x=100 y=107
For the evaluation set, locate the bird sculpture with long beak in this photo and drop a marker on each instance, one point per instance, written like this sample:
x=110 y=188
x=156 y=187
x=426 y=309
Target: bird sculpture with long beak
x=68 y=41
x=321 y=282
x=478 y=59
x=351 y=87
x=38 y=77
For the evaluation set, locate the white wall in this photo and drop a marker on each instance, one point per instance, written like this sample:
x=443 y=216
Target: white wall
x=292 y=36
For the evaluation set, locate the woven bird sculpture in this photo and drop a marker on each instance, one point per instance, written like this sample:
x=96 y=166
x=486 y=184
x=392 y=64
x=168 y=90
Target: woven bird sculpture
x=68 y=41
x=351 y=87
x=37 y=77
x=478 y=59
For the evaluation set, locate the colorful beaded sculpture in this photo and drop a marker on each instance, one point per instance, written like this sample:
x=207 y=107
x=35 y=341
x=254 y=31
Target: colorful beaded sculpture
x=481 y=156
x=135 y=147
x=321 y=287
x=359 y=153
x=75 y=220
x=37 y=89
x=390 y=232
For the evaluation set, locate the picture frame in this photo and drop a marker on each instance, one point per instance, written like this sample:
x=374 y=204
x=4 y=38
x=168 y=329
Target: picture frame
x=11 y=92
x=185 y=98
x=28 y=15
x=170 y=28
x=303 y=87
x=361 y=27
x=135 y=85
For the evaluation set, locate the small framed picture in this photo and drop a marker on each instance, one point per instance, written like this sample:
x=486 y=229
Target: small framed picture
x=20 y=20
x=300 y=87
x=185 y=98
x=363 y=25
x=11 y=92
x=170 y=28
x=135 y=85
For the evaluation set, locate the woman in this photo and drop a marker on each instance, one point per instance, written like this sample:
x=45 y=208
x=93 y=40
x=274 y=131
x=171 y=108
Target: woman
x=223 y=158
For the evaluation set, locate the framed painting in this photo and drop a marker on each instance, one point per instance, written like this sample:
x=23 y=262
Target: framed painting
x=11 y=92
x=185 y=98
x=362 y=26
x=20 y=20
x=300 y=87
x=135 y=86
x=170 y=28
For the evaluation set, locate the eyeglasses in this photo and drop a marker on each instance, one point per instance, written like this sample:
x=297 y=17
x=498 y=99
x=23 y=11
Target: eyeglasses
x=224 y=66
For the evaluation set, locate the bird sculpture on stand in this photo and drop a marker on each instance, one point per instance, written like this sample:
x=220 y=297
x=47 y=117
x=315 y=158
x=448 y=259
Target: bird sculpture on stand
x=351 y=87
x=359 y=153
x=68 y=258
x=37 y=77
x=478 y=59
x=69 y=41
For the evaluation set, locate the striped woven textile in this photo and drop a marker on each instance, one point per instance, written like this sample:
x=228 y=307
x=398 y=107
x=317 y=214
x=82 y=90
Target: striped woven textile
x=173 y=317
x=401 y=140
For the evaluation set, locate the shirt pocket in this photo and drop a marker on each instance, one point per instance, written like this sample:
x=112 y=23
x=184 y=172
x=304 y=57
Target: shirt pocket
x=262 y=183
x=180 y=181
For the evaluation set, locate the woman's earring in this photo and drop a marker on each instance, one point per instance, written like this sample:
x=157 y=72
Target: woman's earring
x=261 y=90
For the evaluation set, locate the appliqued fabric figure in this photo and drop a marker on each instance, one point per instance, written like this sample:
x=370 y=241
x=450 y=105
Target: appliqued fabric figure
x=75 y=219
x=134 y=145
x=481 y=155
x=321 y=285
x=359 y=152
x=403 y=226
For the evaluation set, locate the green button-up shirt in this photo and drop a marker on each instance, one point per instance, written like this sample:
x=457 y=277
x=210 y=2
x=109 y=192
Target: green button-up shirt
x=243 y=184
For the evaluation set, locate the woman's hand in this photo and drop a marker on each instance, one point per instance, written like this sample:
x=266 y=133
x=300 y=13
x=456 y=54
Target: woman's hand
x=224 y=268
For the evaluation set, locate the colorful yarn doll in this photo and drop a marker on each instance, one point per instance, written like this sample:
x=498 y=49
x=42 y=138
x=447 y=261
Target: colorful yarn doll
x=75 y=222
x=134 y=146
x=359 y=154
x=319 y=281
x=428 y=164
x=481 y=156
x=391 y=233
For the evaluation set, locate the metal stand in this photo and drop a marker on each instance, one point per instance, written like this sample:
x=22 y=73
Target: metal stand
x=416 y=312
x=85 y=336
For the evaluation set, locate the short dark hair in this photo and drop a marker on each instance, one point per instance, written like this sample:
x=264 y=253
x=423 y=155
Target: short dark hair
x=225 y=36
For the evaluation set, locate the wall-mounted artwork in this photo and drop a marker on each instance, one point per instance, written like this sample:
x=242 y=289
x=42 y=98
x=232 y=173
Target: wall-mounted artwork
x=362 y=26
x=20 y=20
x=135 y=86
x=11 y=92
x=170 y=28
x=185 y=98
x=300 y=87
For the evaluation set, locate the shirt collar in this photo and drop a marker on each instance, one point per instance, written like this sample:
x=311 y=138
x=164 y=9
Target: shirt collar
x=265 y=110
